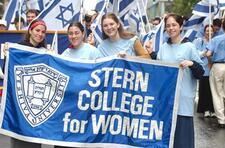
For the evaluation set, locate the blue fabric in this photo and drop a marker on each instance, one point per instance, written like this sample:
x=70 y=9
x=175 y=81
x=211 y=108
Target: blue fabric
x=217 y=46
x=201 y=47
x=109 y=48
x=220 y=32
x=85 y=51
x=118 y=101
x=176 y=53
x=200 y=33
x=184 y=133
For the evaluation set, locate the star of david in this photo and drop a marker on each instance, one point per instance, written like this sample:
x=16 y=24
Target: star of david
x=62 y=15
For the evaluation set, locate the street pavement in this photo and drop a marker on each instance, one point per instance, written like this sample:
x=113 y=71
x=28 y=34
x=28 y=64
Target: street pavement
x=207 y=134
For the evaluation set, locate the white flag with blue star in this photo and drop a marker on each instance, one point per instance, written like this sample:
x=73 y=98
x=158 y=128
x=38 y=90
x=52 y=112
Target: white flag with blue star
x=18 y=8
x=59 y=14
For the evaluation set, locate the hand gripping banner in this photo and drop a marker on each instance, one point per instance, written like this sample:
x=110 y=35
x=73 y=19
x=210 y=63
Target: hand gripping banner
x=109 y=102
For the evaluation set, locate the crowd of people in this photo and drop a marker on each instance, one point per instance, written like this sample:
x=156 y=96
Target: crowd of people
x=203 y=60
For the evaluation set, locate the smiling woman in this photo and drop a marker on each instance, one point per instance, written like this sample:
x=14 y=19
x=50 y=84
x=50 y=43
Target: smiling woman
x=36 y=33
x=77 y=48
x=184 y=53
x=35 y=37
x=117 y=41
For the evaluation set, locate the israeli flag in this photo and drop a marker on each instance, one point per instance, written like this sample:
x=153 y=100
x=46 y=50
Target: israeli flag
x=132 y=21
x=96 y=25
x=9 y=14
x=203 y=9
x=18 y=8
x=125 y=6
x=212 y=2
x=193 y=22
x=192 y=25
x=99 y=5
x=60 y=13
x=221 y=4
x=37 y=4
x=147 y=37
x=191 y=34
x=158 y=38
x=156 y=35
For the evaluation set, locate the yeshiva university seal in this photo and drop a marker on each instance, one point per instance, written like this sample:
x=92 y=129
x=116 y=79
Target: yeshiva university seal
x=39 y=90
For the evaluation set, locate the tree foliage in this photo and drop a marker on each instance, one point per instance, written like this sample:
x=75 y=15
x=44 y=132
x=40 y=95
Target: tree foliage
x=183 y=7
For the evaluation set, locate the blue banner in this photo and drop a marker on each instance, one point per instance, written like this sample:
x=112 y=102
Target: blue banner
x=122 y=102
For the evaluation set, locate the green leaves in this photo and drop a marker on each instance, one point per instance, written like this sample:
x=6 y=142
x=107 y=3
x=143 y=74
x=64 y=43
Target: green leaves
x=184 y=7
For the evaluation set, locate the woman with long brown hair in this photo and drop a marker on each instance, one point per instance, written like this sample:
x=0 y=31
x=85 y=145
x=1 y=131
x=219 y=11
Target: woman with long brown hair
x=117 y=40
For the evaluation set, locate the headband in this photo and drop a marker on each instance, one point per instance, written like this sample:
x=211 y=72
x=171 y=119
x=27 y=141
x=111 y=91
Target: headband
x=40 y=22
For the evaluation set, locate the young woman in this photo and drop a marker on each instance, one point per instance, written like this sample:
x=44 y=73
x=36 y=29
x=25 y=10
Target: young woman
x=205 y=103
x=35 y=37
x=117 y=40
x=184 y=53
x=77 y=48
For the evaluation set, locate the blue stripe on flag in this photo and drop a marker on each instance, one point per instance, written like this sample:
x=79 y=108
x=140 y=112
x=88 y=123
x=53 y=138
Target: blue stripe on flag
x=192 y=35
x=9 y=14
x=41 y=5
x=203 y=8
x=42 y=15
x=193 y=22
x=99 y=5
x=124 y=4
x=147 y=37
x=157 y=40
x=98 y=34
x=137 y=20
x=75 y=17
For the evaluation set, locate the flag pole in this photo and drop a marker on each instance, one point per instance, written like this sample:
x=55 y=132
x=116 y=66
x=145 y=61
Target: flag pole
x=54 y=46
x=210 y=19
x=98 y=19
x=20 y=8
x=149 y=28
x=142 y=22
x=81 y=12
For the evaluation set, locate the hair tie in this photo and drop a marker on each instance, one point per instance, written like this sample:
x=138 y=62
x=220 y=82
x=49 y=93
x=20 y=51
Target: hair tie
x=40 y=22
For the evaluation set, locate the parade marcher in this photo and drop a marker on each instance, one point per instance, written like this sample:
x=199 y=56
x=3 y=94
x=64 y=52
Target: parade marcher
x=205 y=104
x=118 y=41
x=216 y=49
x=31 y=14
x=78 y=49
x=88 y=20
x=36 y=34
x=217 y=23
x=216 y=28
x=156 y=21
x=35 y=37
x=176 y=50
x=19 y=24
